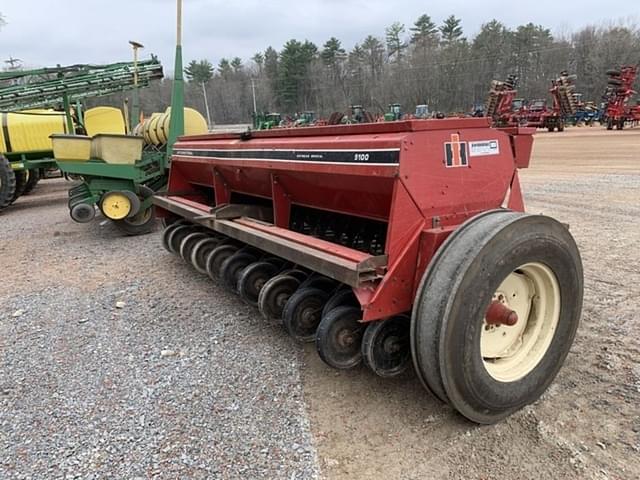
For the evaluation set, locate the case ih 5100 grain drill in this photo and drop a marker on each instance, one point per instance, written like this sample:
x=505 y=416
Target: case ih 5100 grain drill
x=389 y=243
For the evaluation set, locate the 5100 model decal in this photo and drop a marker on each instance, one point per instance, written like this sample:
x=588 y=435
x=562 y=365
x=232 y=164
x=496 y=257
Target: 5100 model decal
x=369 y=157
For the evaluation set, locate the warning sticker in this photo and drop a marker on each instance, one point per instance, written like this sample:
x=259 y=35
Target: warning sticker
x=484 y=148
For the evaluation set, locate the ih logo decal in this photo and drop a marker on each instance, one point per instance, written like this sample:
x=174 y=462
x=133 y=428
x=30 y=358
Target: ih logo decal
x=455 y=152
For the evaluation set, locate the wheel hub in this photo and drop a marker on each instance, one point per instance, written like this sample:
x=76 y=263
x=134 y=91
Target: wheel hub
x=345 y=338
x=116 y=206
x=520 y=322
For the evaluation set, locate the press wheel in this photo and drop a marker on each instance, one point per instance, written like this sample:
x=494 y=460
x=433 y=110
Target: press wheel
x=201 y=251
x=303 y=312
x=274 y=295
x=253 y=279
x=339 y=338
x=188 y=243
x=231 y=269
x=217 y=257
x=385 y=346
x=176 y=235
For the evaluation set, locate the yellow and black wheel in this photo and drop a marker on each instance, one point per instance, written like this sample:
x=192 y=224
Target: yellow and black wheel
x=139 y=221
x=118 y=205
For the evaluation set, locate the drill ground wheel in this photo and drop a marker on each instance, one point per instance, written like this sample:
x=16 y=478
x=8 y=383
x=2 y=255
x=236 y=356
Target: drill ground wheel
x=386 y=346
x=342 y=298
x=231 y=269
x=188 y=244
x=339 y=338
x=303 y=312
x=490 y=330
x=275 y=294
x=217 y=257
x=176 y=235
x=253 y=279
x=201 y=251
x=7 y=183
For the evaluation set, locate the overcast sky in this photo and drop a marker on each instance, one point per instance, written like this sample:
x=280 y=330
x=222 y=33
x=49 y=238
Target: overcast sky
x=47 y=32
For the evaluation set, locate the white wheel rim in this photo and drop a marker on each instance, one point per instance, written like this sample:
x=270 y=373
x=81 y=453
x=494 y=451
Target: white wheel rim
x=511 y=352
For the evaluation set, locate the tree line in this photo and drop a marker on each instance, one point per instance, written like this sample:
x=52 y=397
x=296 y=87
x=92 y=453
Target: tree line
x=424 y=63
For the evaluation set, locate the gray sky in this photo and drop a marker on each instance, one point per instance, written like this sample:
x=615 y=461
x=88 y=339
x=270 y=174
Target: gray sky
x=46 y=32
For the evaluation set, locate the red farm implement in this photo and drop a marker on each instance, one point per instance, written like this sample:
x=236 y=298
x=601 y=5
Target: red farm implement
x=540 y=115
x=618 y=96
x=502 y=106
x=389 y=243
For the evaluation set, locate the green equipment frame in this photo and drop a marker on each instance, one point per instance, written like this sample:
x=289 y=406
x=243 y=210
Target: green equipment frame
x=136 y=182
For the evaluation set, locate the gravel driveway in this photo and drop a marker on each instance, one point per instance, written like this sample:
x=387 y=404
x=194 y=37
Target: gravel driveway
x=181 y=381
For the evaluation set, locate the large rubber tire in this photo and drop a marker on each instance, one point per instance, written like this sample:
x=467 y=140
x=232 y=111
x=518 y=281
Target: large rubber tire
x=452 y=300
x=7 y=183
x=22 y=176
x=32 y=180
x=303 y=312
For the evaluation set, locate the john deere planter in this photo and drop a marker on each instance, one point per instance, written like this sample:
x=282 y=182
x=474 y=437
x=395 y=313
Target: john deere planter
x=37 y=104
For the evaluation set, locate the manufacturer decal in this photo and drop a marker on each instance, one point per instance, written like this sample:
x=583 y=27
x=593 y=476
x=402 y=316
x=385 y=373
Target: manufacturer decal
x=484 y=148
x=383 y=157
x=455 y=152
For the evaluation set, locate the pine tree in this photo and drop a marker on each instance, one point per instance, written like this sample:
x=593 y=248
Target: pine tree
x=395 y=44
x=451 y=30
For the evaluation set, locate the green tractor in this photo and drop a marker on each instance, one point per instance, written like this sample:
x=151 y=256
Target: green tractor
x=306 y=119
x=394 y=113
x=358 y=115
x=266 y=121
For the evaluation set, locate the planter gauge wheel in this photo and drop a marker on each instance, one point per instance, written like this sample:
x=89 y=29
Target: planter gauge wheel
x=303 y=312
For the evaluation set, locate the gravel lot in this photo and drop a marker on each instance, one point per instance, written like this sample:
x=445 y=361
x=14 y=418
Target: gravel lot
x=185 y=381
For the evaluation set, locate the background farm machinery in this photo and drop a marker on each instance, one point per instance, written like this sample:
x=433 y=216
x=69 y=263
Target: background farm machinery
x=501 y=105
x=121 y=169
x=35 y=104
x=618 y=97
x=505 y=109
x=379 y=243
